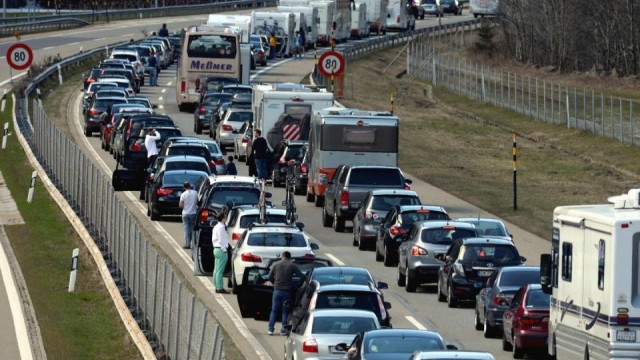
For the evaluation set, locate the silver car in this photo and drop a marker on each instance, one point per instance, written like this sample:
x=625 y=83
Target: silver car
x=452 y=355
x=245 y=135
x=233 y=120
x=489 y=227
x=320 y=330
x=417 y=263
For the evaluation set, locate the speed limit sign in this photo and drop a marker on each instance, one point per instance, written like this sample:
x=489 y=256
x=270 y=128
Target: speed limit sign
x=331 y=63
x=19 y=56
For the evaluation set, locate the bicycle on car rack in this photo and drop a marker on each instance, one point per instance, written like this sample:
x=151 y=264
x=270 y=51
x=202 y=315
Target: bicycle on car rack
x=289 y=202
x=262 y=205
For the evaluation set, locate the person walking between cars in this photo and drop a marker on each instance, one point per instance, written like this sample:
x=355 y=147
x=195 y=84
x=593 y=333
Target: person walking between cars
x=231 y=166
x=281 y=276
x=163 y=32
x=297 y=44
x=189 y=205
x=220 y=242
x=150 y=144
x=152 y=62
x=272 y=46
x=259 y=148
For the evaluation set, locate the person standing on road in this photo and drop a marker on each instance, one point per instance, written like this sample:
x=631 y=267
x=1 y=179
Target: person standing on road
x=249 y=160
x=297 y=46
x=150 y=144
x=259 y=148
x=163 y=31
x=231 y=166
x=220 y=242
x=189 y=205
x=152 y=62
x=303 y=41
x=272 y=46
x=281 y=276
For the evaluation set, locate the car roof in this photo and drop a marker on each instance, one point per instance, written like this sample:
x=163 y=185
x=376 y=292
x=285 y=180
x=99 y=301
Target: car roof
x=253 y=210
x=342 y=270
x=518 y=268
x=273 y=227
x=404 y=208
x=372 y=167
x=184 y=158
x=238 y=86
x=348 y=287
x=401 y=333
x=232 y=180
x=393 y=192
x=343 y=312
x=486 y=240
x=432 y=224
x=480 y=219
x=452 y=354
x=185 y=171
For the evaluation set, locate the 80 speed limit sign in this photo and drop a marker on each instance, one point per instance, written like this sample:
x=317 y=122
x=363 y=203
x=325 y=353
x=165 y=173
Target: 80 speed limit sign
x=331 y=63
x=19 y=56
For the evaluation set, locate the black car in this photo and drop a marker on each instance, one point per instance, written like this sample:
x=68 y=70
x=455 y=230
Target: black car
x=283 y=152
x=392 y=344
x=177 y=162
x=255 y=293
x=132 y=149
x=213 y=84
x=396 y=223
x=206 y=108
x=91 y=77
x=468 y=264
x=96 y=108
x=494 y=299
x=450 y=7
x=164 y=193
x=300 y=168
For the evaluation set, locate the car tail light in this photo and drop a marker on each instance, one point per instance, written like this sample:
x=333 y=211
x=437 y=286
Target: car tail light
x=310 y=346
x=371 y=215
x=383 y=311
x=245 y=140
x=528 y=322
x=396 y=230
x=212 y=165
x=93 y=112
x=163 y=192
x=202 y=110
x=623 y=319
x=501 y=300
x=235 y=236
x=183 y=86
x=398 y=18
x=226 y=127
x=344 y=198
x=218 y=161
x=249 y=257
x=204 y=216
x=303 y=168
x=407 y=187
x=136 y=147
x=310 y=256
x=418 y=251
x=260 y=53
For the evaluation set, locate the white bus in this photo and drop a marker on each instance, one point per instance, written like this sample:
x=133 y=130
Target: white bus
x=206 y=51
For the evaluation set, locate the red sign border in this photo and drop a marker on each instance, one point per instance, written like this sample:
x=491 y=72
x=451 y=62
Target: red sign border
x=336 y=54
x=19 y=46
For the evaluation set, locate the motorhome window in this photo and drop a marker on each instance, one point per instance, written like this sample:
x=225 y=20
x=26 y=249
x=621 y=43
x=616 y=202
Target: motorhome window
x=554 y=268
x=601 y=255
x=567 y=261
x=297 y=109
x=382 y=139
x=212 y=46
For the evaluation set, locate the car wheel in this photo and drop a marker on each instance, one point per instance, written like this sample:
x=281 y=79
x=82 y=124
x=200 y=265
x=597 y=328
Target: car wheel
x=411 y=283
x=379 y=257
x=401 y=279
x=441 y=297
x=142 y=194
x=310 y=197
x=362 y=246
x=276 y=179
x=319 y=200
x=518 y=352
x=102 y=145
x=234 y=284
x=326 y=219
x=506 y=345
x=198 y=130
x=354 y=242
x=196 y=265
x=153 y=213
x=451 y=301
x=388 y=261
x=487 y=330
x=87 y=132
x=338 y=222
x=477 y=323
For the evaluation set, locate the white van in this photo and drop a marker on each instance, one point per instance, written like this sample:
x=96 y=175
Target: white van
x=399 y=16
x=484 y=7
x=359 y=26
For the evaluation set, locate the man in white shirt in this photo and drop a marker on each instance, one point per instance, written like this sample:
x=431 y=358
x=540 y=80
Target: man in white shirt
x=220 y=242
x=150 y=144
x=189 y=205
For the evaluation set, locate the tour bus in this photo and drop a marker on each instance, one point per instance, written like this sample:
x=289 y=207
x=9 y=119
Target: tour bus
x=400 y=16
x=306 y=18
x=593 y=276
x=484 y=7
x=242 y=23
x=348 y=136
x=376 y=15
x=206 y=51
x=281 y=24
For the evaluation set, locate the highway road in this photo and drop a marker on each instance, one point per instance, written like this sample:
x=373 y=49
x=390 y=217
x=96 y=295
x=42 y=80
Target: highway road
x=411 y=310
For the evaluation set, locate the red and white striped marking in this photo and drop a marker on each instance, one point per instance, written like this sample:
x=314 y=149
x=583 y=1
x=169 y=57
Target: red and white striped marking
x=291 y=132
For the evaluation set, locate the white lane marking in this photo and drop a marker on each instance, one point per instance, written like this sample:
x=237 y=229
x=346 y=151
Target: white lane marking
x=163 y=91
x=48 y=47
x=160 y=99
x=104 y=38
x=14 y=77
x=260 y=350
x=269 y=68
x=74 y=43
x=415 y=323
x=125 y=35
x=19 y=324
x=335 y=259
x=170 y=83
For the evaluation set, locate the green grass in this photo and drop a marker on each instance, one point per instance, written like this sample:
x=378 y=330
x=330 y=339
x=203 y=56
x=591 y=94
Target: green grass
x=72 y=325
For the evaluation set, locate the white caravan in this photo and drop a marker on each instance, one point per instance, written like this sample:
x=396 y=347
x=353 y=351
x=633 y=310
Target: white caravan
x=307 y=18
x=326 y=12
x=283 y=111
x=399 y=16
x=240 y=23
x=359 y=26
x=330 y=12
x=593 y=275
x=281 y=24
x=376 y=15
x=484 y=7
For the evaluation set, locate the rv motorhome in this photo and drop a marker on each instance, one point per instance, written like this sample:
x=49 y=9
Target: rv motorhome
x=359 y=26
x=593 y=275
x=484 y=7
x=376 y=15
x=240 y=23
x=281 y=24
x=307 y=18
x=400 y=16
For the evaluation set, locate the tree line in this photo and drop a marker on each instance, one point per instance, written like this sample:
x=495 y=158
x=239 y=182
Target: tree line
x=585 y=35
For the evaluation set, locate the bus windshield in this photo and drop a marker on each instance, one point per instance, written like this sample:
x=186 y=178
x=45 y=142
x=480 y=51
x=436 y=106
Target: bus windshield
x=212 y=46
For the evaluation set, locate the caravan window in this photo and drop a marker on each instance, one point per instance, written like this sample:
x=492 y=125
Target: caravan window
x=297 y=109
x=601 y=253
x=383 y=139
x=567 y=261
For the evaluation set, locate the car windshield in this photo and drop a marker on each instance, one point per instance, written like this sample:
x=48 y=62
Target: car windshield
x=537 y=298
x=386 y=202
x=240 y=116
x=406 y=345
x=247 y=220
x=213 y=147
x=239 y=196
x=376 y=177
x=520 y=277
x=178 y=179
x=292 y=152
x=346 y=325
x=187 y=165
x=498 y=254
x=360 y=300
x=445 y=236
x=215 y=99
x=195 y=151
x=410 y=217
x=277 y=239
x=489 y=228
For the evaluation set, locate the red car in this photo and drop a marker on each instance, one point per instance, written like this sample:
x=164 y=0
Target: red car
x=525 y=324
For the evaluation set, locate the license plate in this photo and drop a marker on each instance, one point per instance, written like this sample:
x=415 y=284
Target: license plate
x=485 y=273
x=626 y=335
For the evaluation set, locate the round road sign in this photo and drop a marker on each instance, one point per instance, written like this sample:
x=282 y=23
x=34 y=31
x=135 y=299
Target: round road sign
x=19 y=56
x=331 y=63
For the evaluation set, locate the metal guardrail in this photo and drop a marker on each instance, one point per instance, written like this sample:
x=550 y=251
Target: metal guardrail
x=41 y=25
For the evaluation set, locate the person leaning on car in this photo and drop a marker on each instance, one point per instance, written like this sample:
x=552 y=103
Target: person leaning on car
x=281 y=276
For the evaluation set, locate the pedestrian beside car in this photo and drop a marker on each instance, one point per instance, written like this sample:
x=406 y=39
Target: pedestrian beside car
x=150 y=144
x=220 y=242
x=231 y=166
x=152 y=61
x=249 y=161
x=260 y=150
x=189 y=205
x=272 y=46
x=303 y=41
x=281 y=276
x=297 y=46
x=164 y=32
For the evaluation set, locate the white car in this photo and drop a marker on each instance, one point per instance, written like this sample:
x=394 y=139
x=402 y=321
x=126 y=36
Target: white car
x=245 y=135
x=240 y=217
x=232 y=120
x=261 y=243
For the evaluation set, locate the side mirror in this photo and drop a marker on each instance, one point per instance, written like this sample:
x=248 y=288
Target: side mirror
x=408 y=181
x=342 y=347
x=309 y=29
x=300 y=225
x=545 y=273
x=439 y=257
x=452 y=347
x=154 y=106
x=387 y=305
x=523 y=259
x=268 y=195
x=314 y=246
x=382 y=285
x=234 y=131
